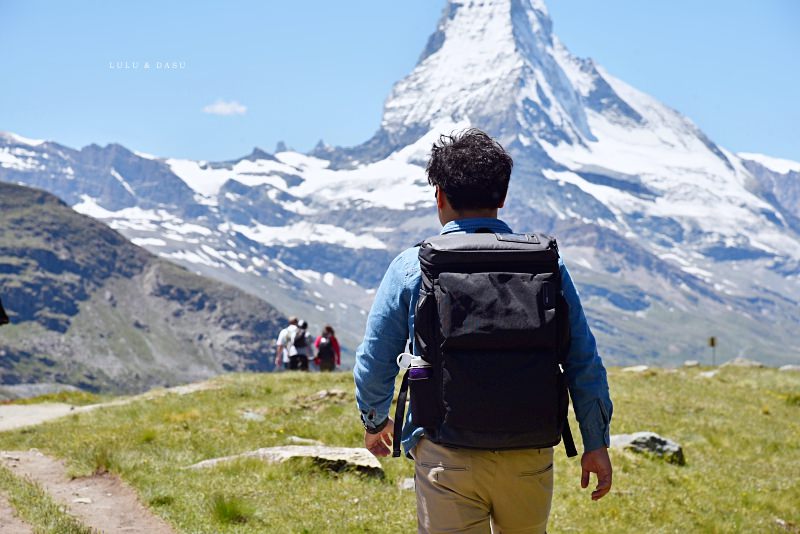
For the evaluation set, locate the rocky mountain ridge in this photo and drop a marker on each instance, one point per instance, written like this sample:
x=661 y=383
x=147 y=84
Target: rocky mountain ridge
x=90 y=309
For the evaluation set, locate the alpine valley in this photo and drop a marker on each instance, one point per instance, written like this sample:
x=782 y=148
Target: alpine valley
x=670 y=237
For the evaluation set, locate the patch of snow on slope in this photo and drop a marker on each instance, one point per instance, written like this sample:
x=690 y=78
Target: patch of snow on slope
x=136 y=218
x=303 y=232
x=199 y=175
x=20 y=159
x=779 y=165
x=149 y=241
x=306 y=275
x=122 y=181
x=397 y=182
x=20 y=139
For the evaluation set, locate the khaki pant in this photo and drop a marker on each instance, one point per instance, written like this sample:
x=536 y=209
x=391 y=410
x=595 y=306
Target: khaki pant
x=475 y=491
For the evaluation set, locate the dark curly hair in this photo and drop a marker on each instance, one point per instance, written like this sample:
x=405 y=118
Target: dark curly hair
x=471 y=168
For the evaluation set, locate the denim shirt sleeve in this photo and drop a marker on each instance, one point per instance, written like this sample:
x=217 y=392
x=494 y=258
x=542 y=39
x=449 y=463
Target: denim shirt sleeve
x=385 y=337
x=586 y=376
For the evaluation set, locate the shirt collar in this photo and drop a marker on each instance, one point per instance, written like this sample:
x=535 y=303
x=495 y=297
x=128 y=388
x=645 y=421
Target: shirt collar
x=468 y=226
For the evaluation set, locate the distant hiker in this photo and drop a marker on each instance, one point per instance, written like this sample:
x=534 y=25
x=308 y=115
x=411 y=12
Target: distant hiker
x=300 y=352
x=3 y=316
x=285 y=339
x=495 y=318
x=329 y=355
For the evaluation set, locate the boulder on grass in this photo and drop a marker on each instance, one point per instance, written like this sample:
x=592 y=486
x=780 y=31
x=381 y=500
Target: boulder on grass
x=635 y=369
x=334 y=458
x=742 y=362
x=651 y=443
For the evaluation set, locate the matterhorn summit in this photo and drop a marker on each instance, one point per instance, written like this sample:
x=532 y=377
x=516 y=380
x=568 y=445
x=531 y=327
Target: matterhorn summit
x=672 y=239
x=490 y=63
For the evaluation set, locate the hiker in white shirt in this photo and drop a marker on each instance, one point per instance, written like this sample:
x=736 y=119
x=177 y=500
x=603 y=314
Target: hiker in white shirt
x=285 y=342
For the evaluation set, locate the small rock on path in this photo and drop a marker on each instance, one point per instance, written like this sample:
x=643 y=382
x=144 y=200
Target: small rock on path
x=102 y=502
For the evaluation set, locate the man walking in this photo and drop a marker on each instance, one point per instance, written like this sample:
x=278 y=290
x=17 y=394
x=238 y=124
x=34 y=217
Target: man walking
x=283 y=344
x=498 y=481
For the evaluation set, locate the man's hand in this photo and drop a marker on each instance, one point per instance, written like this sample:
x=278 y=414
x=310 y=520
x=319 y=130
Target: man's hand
x=380 y=444
x=597 y=461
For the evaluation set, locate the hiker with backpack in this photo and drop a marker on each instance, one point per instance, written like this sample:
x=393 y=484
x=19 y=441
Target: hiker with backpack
x=300 y=349
x=498 y=338
x=294 y=346
x=329 y=355
x=285 y=339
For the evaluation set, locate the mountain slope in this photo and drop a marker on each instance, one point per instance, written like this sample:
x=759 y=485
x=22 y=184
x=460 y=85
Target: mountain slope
x=671 y=238
x=90 y=309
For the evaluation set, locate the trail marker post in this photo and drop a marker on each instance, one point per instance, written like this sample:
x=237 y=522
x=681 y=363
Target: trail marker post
x=712 y=342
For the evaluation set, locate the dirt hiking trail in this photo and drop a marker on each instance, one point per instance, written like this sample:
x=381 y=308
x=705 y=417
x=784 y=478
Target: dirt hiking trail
x=9 y=522
x=13 y=416
x=102 y=502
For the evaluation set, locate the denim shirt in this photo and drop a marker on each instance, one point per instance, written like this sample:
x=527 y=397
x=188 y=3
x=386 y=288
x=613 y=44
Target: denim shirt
x=391 y=319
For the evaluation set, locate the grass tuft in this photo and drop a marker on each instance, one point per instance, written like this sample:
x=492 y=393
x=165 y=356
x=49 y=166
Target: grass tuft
x=148 y=435
x=793 y=399
x=229 y=510
x=102 y=459
x=161 y=500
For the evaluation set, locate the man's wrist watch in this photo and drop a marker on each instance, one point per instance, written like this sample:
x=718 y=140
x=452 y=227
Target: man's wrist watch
x=377 y=429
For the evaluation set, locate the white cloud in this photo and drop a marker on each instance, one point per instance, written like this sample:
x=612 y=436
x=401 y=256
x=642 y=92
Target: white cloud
x=221 y=107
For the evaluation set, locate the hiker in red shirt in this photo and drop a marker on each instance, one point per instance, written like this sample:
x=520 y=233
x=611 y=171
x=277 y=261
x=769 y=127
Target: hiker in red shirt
x=329 y=355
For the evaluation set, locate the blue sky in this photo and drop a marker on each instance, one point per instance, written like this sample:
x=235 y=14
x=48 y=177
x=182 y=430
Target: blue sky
x=320 y=69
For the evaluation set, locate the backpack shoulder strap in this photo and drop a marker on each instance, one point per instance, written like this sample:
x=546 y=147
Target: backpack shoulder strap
x=400 y=410
x=400 y=415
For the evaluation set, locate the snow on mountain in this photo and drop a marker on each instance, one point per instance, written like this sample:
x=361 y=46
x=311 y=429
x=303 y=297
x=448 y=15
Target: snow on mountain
x=781 y=166
x=670 y=237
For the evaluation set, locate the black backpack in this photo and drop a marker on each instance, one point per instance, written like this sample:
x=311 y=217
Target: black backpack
x=300 y=341
x=325 y=349
x=492 y=322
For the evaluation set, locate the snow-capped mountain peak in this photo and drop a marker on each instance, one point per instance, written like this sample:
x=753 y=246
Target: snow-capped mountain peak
x=491 y=63
x=670 y=237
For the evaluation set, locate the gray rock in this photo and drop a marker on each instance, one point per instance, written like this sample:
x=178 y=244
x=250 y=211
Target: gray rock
x=249 y=415
x=790 y=368
x=635 y=369
x=407 y=484
x=652 y=443
x=334 y=458
x=327 y=394
x=691 y=363
x=742 y=362
x=708 y=374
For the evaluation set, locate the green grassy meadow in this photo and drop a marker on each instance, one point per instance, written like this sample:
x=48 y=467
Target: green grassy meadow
x=740 y=431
